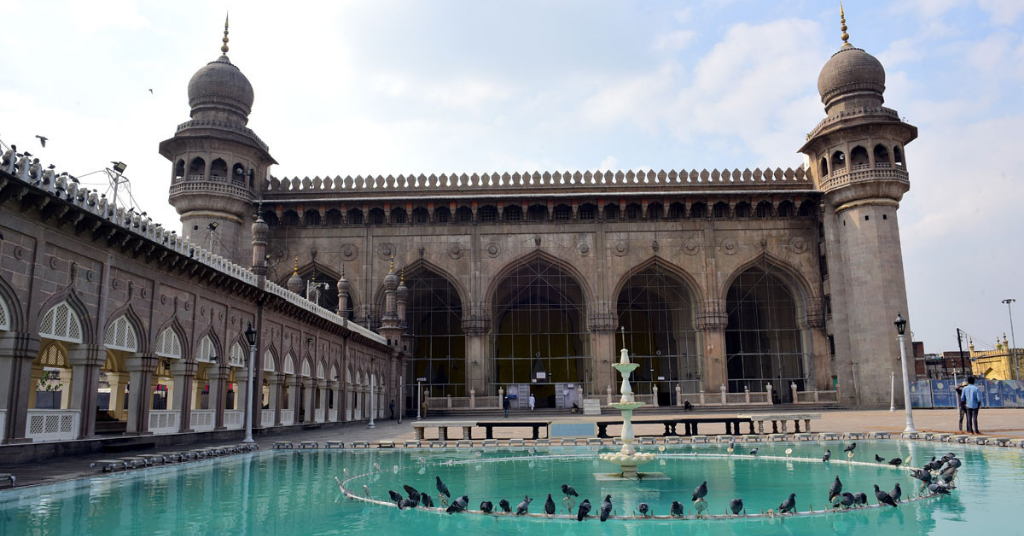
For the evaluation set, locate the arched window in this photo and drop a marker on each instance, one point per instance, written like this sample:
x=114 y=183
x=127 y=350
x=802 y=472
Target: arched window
x=179 y=170
x=838 y=162
x=742 y=210
x=434 y=316
x=588 y=211
x=676 y=211
x=306 y=373
x=720 y=210
x=121 y=336
x=762 y=338
x=206 y=352
x=897 y=156
x=168 y=344
x=464 y=215
x=786 y=209
x=268 y=361
x=311 y=217
x=764 y=209
x=513 y=213
x=538 y=213
x=236 y=358
x=61 y=323
x=563 y=213
x=859 y=158
x=219 y=169
x=289 y=218
x=633 y=211
x=5 y=316
x=442 y=215
x=698 y=210
x=289 y=364
x=488 y=213
x=399 y=216
x=333 y=217
x=807 y=208
x=823 y=167
x=197 y=169
x=654 y=211
x=376 y=216
x=270 y=218
x=881 y=156
x=238 y=174
x=420 y=216
x=355 y=217
x=611 y=212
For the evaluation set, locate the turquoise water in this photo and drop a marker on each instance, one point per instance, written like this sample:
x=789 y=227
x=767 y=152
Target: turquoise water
x=294 y=492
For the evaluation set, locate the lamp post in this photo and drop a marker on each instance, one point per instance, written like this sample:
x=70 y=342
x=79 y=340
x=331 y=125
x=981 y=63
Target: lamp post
x=892 y=391
x=373 y=380
x=901 y=326
x=1013 y=338
x=250 y=337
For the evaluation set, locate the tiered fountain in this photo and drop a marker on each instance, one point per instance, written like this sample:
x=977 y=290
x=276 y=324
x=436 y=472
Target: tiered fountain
x=627 y=458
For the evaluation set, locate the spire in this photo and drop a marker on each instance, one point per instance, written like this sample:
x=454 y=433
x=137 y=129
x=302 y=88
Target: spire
x=842 y=20
x=295 y=271
x=224 y=47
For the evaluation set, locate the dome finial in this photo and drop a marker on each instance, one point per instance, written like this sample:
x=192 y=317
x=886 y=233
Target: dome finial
x=842 y=20
x=224 y=47
x=296 y=270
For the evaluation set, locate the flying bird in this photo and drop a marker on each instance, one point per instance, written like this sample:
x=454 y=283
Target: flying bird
x=883 y=497
x=42 y=140
x=736 y=506
x=789 y=504
x=524 y=507
x=549 y=506
x=583 y=511
x=606 y=508
x=150 y=91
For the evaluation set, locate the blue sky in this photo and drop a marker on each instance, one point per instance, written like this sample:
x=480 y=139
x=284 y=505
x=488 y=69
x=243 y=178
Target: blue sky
x=390 y=87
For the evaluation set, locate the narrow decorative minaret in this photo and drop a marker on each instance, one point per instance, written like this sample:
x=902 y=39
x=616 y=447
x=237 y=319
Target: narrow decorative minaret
x=295 y=282
x=858 y=161
x=343 y=289
x=390 y=326
x=260 y=237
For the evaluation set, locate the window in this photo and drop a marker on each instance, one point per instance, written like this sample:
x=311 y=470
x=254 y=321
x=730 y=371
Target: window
x=513 y=213
x=563 y=213
x=464 y=215
x=588 y=212
x=488 y=213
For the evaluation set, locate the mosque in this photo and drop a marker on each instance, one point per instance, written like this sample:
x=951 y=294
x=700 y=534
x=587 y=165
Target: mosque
x=733 y=283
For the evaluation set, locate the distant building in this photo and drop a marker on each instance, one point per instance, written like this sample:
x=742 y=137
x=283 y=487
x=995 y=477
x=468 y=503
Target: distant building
x=996 y=364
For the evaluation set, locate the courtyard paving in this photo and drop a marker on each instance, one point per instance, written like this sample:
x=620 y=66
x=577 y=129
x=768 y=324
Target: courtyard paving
x=994 y=423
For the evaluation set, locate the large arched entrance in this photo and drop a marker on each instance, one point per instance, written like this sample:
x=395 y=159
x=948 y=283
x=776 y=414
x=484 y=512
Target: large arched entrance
x=540 y=342
x=434 y=317
x=657 y=310
x=762 y=339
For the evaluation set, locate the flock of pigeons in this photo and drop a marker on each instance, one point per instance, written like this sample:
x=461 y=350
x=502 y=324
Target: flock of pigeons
x=937 y=476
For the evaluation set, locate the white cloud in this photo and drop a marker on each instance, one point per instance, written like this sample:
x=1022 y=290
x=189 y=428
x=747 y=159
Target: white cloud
x=609 y=163
x=1003 y=11
x=675 y=41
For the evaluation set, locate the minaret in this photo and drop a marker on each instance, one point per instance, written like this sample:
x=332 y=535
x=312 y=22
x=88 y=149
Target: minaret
x=858 y=161
x=343 y=289
x=390 y=323
x=217 y=163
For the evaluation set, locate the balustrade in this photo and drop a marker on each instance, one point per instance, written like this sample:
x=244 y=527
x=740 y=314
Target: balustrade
x=53 y=424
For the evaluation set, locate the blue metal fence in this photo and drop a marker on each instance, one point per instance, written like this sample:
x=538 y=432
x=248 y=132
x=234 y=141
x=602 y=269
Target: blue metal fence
x=942 y=393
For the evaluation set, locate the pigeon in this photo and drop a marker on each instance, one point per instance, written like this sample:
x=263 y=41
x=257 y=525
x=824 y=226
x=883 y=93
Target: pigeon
x=930 y=466
x=896 y=493
x=789 y=504
x=860 y=499
x=442 y=488
x=754 y=452
x=606 y=508
x=923 y=475
x=644 y=509
x=505 y=506
x=736 y=506
x=827 y=456
x=896 y=462
x=701 y=491
x=954 y=463
x=395 y=496
x=426 y=500
x=732 y=446
x=583 y=511
x=42 y=140
x=407 y=503
x=835 y=490
x=568 y=491
x=458 y=505
x=848 y=500
x=938 y=489
x=524 y=507
x=883 y=497
x=677 y=509
x=413 y=494
x=549 y=506
x=879 y=459
x=150 y=91
x=946 y=479
x=948 y=470
x=487 y=507
x=850 y=448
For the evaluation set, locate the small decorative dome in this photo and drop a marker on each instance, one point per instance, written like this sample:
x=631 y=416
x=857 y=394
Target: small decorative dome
x=260 y=230
x=220 y=85
x=295 y=282
x=403 y=291
x=343 y=284
x=849 y=70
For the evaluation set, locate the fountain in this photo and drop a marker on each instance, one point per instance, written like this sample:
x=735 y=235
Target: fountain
x=627 y=458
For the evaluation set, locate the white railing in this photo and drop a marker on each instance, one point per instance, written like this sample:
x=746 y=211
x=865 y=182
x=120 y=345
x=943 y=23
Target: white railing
x=234 y=419
x=332 y=415
x=267 y=418
x=203 y=420
x=320 y=415
x=816 y=397
x=287 y=416
x=163 y=421
x=3 y=424
x=52 y=424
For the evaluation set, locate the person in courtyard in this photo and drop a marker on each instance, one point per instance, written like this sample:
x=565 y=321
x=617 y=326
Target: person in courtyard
x=506 y=404
x=687 y=406
x=391 y=407
x=971 y=398
x=960 y=405
x=533 y=402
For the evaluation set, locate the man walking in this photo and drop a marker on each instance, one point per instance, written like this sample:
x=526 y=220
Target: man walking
x=506 y=404
x=533 y=402
x=972 y=399
x=960 y=405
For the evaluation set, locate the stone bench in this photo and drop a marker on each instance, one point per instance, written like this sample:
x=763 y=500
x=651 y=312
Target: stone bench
x=856 y=435
x=442 y=429
x=827 y=436
x=880 y=435
x=412 y=444
x=464 y=443
x=360 y=445
x=109 y=466
x=1004 y=441
x=335 y=444
x=308 y=445
x=805 y=437
x=777 y=418
x=489 y=427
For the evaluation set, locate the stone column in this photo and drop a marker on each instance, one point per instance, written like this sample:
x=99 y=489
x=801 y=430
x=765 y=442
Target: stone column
x=602 y=344
x=35 y=374
x=66 y=387
x=294 y=387
x=308 y=384
x=275 y=379
x=140 y=373
x=335 y=388
x=217 y=376
x=117 y=381
x=321 y=386
x=85 y=361
x=241 y=389
x=711 y=321
x=17 y=350
x=476 y=327
x=184 y=374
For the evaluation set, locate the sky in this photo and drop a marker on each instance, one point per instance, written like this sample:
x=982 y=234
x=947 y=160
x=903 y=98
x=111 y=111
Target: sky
x=399 y=87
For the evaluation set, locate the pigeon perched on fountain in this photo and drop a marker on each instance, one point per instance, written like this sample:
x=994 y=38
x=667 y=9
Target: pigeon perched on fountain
x=505 y=506
x=850 y=448
x=583 y=511
x=847 y=499
x=827 y=456
x=896 y=493
x=860 y=499
x=736 y=506
x=458 y=505
x=487 y=507
x=569 y=491
x=835 y=490
x=413 y=494
x=788 y=505
x=645 y=509
x=606 y=508
x=883 y=497
x=754 y=452
x=395 y=496
x=954 y=463
x=524 y=507
x=923 y=475
x=549 y=506
x=879 y=459
x=426 y=500
x=442 y=489
x=896 y=462
x=407 y=503
x=938 y=489
x=677 y=509
x=700 y=491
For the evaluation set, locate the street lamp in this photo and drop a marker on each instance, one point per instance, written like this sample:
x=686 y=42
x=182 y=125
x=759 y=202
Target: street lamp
x=901 y=327
x=1013 y=338
x=250 y=337
x=373 y=380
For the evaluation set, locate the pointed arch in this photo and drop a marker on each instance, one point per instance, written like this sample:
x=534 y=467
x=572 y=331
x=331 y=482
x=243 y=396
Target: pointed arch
x=176 y=344
x=320 y=367
x=306 y=371
x=270 y=359
x=66 y=318
x=333 y=374
x=124 y=330
x=11 y=316
x=410 y=270
x=236 y=358
x=789 y=273
x=209 y=349
x=566 y=266
x=288 y=367
x=691 y=283
x=53 y=354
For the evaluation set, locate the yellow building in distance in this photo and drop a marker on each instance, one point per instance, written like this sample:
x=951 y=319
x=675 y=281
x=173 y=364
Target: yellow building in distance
x=996 y=364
